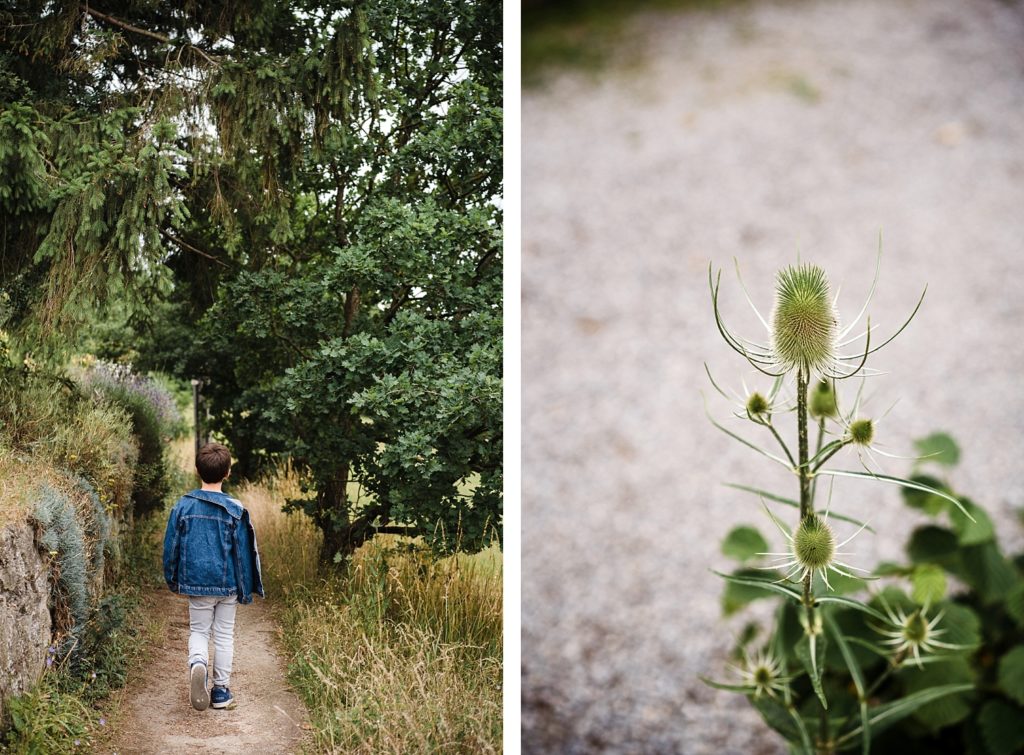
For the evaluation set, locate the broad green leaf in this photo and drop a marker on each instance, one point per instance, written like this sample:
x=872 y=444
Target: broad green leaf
x=890 y=569
x=1001 y=727
x=968 y=532
x=738 y=594
x=946 y=710
x=744 y=543
x=847 y=653
x=929 y=584
x=839 y=585
x=985 y=569
x=931 y=544
x=928 y=502
x=940 y=448
x=1011 y=674
x=910 y=484
x=811 y=653
x=1015 y=603
x=959 y=624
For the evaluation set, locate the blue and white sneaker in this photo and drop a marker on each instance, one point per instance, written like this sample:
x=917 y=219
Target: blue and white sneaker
x=222 y=699
x=198 y=693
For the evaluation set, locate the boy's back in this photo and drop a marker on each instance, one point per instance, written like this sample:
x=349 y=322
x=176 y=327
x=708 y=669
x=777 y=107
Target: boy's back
x=210 y=555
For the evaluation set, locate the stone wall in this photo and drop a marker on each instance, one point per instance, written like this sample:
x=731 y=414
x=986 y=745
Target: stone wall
x=24 y=613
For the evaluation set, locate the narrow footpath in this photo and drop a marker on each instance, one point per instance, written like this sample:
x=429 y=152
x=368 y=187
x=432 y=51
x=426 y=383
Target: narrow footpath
x=157 y=717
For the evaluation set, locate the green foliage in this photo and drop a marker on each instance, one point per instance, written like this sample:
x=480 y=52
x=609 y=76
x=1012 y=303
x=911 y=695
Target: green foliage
x=744 y=543
x=939 y=448
x=1011 y=674
x=1000 y=727
x=960 y=695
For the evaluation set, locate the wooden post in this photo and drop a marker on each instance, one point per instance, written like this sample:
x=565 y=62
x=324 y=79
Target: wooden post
x=195 y=409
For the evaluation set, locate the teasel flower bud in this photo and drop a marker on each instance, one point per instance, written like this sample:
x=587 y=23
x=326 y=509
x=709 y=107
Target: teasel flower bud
x=757 y=405
x=763 y=673
x=813 y=550
x=822 y=401
x=804 y=322
x=861 y=432
x=914 y=634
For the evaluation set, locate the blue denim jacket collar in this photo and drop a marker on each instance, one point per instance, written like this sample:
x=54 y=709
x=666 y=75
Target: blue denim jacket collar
x=226 y=502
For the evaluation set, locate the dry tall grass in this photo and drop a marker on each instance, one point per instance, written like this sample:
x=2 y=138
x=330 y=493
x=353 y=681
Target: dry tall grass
x=400 y=653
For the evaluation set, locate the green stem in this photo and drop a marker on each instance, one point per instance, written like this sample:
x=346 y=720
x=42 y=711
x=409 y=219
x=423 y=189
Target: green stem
x=817 y=450
x=801 y=424
x=805 y=479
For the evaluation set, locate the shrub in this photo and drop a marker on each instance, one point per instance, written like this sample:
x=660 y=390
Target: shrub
x=155 y=420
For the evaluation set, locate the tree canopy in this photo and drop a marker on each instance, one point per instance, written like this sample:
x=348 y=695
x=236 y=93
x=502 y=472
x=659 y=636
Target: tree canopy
x=301 y=204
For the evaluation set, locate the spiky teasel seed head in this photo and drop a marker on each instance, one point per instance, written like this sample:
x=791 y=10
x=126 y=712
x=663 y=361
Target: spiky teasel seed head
x=814 y=543
x=823 y=400
x=757 y=405
x=804 y=321
x=862 y=432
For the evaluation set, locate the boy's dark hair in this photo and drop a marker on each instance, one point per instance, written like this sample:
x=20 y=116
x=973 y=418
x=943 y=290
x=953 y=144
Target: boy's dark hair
x=213 y=461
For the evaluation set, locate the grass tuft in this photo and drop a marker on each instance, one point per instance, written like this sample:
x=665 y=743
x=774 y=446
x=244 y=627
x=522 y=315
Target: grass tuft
x=401 y=652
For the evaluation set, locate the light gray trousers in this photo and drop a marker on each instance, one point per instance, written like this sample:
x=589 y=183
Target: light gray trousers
x=213 y=614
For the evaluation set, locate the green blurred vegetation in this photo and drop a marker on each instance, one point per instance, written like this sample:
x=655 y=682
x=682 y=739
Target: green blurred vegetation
x=581 y=33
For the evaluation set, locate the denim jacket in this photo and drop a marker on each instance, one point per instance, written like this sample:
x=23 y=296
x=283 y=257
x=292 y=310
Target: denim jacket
x=210 y=547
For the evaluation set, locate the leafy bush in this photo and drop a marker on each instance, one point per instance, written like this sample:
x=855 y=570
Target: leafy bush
x=155 y=420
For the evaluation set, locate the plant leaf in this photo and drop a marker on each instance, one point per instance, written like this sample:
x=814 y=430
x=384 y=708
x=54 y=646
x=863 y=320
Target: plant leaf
x=764 y=584
x=947 y=710
x=930 y=504
x=895 y=481
x=972 y=532
x=745 y=689
x=738 y=594
x=1000 y=727
x=744 y=543
x=1015 y=603
x=858 y=679
x=1011 y=674
x=929 y=584
x=851 y=603
x=985 y=569
x=939 y=448
x=811 y=653
x=887 y=714
x=931 y=544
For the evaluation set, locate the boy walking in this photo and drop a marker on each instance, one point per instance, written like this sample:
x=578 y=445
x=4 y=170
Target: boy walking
x=210 y=555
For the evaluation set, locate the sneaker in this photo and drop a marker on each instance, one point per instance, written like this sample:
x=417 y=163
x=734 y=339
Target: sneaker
x=222 y=698
x=198 y=693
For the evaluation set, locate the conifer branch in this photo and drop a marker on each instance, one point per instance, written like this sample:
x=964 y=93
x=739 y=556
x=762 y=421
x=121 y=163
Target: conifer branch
x=212 y=59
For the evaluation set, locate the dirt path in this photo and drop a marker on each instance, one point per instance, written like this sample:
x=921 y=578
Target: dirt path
x=158 y=718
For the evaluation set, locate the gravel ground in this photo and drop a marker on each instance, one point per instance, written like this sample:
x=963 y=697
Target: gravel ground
x=759 y=132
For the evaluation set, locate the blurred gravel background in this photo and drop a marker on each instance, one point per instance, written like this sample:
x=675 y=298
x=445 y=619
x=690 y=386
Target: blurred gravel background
x=758 y=131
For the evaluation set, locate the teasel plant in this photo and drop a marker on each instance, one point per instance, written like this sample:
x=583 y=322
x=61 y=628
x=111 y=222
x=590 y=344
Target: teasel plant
x=807 y=354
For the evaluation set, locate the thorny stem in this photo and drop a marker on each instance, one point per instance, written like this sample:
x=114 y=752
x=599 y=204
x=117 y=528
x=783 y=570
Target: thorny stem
x=801 y=420
x=805 y=479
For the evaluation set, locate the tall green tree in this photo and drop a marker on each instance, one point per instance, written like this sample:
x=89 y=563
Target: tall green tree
x=305 y=198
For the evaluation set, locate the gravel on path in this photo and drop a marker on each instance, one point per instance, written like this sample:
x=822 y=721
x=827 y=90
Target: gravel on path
x=757 y=132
